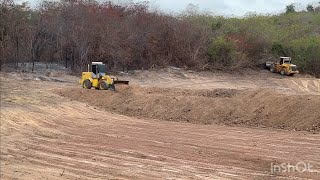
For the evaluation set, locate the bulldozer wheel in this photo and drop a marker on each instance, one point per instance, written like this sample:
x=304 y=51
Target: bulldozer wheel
x=87 y=84
x=283 y=72
x=103 y=85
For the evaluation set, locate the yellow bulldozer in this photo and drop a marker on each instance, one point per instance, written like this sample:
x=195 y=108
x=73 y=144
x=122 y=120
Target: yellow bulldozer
x=96 y=77
x=284 y=67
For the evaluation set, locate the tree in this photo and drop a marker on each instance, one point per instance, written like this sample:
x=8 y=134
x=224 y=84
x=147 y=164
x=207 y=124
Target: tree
x=192 y=9
x=15 y=31
x=310 y=8
x=291 y=8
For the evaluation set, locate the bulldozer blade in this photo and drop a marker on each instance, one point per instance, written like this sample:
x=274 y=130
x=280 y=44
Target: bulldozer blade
x=121 y=82
x=112 y=87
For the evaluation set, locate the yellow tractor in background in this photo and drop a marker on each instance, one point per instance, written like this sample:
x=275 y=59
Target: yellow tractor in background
x=96 y=77
x=284 y=67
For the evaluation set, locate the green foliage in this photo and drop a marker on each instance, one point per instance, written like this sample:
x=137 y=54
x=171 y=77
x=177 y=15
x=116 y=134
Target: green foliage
x=278 y=49
x=292 y=34
x=306 y=53
x=310 y=8
x=221 y=50
x=225 y=55
x=291 y=8
x=216 y=25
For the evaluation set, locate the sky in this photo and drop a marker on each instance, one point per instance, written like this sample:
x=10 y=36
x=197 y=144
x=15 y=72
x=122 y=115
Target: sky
x=231 y=7
x=223 y=7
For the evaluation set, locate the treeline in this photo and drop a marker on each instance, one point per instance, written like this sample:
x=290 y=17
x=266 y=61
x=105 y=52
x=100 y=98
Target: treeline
x=126 y=37
x=78 y=32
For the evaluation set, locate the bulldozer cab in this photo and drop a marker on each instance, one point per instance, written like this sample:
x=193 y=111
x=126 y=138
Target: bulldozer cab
x=98 y=69
x=285 y=60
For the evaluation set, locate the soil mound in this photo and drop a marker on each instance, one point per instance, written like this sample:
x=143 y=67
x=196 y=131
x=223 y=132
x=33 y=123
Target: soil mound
x=258 y=108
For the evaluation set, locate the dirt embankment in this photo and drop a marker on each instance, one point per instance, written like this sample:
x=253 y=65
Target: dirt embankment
x=260 y=108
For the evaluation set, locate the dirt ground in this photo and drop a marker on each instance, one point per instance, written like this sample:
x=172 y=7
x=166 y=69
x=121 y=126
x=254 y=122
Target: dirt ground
x=75 y=136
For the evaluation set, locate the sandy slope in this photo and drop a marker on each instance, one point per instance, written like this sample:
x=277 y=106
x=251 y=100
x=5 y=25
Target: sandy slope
x=46 y=136
x=263 y=108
